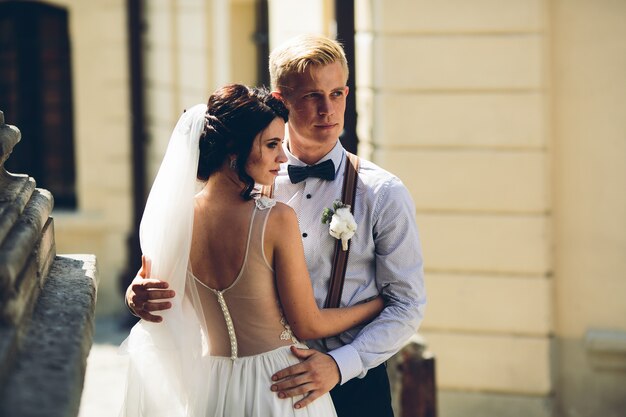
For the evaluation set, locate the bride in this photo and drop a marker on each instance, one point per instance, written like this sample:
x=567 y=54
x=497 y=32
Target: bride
x=234 y=265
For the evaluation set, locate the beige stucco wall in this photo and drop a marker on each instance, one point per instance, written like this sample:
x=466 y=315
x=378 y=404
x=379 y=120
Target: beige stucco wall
x=192 y=47
x=102 y=143
x=589 y=164
x=289 y=18
x=452 y=98
x=506 y=122
x=177 y=68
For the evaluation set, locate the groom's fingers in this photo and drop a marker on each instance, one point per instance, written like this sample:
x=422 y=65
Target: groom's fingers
x=314 y=377
x=154 y=283
x=150 y=317
x=299 y=368
x=156 y=306
x=149 y=283
x=292 y=385
x=144 y=293
x=160 y=294
x=302 y=354
x=151 y=289
x=313 y=395
x=145 y=309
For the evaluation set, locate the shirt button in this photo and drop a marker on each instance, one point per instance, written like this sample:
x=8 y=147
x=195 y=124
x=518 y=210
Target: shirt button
x=308 y=196
x=304 y=234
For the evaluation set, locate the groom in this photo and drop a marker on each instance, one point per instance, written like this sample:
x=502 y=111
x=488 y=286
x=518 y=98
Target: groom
x=310 y=73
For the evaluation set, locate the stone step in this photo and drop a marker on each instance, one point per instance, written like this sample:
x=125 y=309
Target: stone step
x=15 y=312
x=21 y=241
x=15 y=192
x=31 y=278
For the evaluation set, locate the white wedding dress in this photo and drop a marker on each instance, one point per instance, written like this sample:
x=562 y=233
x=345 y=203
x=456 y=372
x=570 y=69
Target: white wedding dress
x=215 y=352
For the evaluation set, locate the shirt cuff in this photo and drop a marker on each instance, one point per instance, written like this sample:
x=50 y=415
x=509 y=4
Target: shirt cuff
x=348 y=361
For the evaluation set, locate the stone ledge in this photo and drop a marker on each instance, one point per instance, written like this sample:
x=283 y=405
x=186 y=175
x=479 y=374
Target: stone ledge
x=606 y=349
x=48 y=373
x=464 y=403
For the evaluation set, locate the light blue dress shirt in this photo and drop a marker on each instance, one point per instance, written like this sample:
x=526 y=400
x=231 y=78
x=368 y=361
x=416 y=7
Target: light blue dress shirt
x=385 y=257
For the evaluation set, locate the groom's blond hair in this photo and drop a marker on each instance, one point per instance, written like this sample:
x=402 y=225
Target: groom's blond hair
x=297 y=54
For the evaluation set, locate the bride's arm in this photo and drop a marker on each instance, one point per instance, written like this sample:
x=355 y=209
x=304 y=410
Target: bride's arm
x=284 y=245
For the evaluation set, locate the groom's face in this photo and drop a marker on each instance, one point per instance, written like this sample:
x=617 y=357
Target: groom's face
x=316 y=100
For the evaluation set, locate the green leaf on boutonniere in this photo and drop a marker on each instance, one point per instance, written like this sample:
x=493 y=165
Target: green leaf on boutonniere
x=338 y=204
x=327 y=215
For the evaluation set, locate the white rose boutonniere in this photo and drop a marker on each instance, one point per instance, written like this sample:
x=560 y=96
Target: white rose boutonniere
x=342 y=224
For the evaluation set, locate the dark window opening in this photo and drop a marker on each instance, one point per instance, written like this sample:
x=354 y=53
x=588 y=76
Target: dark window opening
x=36 y=95
x=261 y=38
x=344 y=15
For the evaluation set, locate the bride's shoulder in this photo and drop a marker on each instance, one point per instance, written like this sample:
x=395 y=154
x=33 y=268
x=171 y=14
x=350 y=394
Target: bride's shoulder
x=264 y=203
x=282 y=224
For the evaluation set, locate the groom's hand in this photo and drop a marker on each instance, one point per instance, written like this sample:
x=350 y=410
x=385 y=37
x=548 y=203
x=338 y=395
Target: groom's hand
x=313 y=377
x=143 y=293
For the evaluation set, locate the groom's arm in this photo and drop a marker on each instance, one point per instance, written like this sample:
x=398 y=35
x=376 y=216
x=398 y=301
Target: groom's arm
x=399 y=277
x=399 y=270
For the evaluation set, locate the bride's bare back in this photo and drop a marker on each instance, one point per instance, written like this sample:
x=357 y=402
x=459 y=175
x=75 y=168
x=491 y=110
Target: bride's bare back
x=220 y=233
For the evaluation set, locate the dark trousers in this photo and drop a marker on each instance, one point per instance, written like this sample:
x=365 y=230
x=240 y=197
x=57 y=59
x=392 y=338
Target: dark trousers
x=367 y=397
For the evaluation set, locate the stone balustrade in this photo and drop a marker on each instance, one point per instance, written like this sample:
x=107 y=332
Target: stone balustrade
x=47 y=302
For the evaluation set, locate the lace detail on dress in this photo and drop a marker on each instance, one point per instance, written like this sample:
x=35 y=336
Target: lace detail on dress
x=286 y=334
x=263 y=202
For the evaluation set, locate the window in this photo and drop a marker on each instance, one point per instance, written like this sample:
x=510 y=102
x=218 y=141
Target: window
x=36 y=95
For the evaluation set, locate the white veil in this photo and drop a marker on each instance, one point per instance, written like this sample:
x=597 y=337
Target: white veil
x=167 y=361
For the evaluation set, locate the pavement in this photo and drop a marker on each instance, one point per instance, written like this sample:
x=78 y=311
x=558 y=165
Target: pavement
x=105 y=378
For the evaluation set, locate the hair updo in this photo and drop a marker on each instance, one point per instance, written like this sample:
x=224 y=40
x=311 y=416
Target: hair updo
x=236 y=114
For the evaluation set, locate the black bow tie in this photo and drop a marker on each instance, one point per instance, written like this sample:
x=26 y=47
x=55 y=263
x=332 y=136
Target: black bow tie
x=324 y=170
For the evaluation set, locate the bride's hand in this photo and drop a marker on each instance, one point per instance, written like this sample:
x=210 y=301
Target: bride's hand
x=146 y=295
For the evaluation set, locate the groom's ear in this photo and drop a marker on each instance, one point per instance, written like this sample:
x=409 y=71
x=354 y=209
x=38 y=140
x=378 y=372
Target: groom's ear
x=278 y=95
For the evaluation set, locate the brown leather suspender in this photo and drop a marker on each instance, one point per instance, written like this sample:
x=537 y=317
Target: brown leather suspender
x=340 y=259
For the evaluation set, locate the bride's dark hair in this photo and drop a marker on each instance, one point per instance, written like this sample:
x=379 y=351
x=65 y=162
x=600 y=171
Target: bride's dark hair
x=235 y=115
